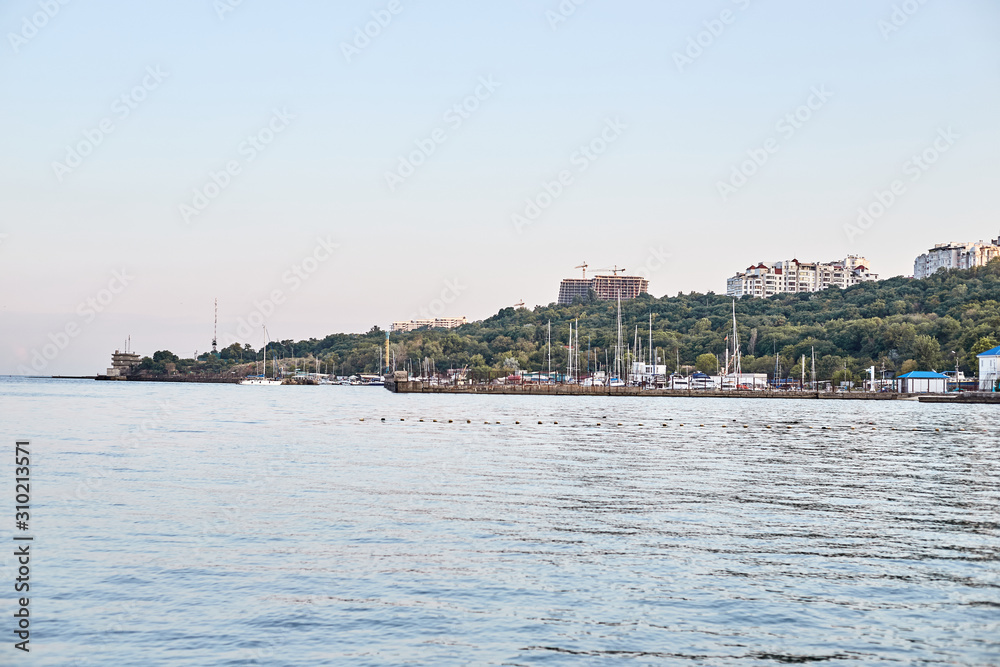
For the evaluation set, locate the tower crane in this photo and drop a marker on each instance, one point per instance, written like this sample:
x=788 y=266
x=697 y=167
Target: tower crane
x=615 y=270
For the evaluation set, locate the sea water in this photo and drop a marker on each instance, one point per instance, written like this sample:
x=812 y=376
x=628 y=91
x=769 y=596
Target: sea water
x=188 y=524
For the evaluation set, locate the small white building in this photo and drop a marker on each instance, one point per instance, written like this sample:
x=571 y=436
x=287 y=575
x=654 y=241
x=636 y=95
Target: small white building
x=648 y=373
x=923 y=382
x=989 y=369
x=741 y=381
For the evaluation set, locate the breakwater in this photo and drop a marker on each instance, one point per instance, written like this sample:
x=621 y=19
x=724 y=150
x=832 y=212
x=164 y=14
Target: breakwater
x=173 y=378
x=419 y=387
x=962 y=398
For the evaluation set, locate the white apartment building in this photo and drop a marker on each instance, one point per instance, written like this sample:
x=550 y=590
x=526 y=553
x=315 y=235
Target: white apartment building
x=791 y=276
x=435 y=323
x=955 y=256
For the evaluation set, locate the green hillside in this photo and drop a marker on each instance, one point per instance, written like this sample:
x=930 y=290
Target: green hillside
x=900 y=323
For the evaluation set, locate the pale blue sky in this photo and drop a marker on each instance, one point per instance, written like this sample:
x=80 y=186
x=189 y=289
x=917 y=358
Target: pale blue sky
x=447 y=229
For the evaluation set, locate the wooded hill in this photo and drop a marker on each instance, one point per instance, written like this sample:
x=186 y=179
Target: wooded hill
x=902 y=323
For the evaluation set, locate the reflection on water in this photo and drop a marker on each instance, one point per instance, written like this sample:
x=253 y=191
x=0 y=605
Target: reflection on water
x=206 y=524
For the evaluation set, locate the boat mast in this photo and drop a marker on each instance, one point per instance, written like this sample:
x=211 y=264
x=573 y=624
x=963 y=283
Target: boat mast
x=576 y=351
x=618 y=344
x=775 y=344
x=550 y=351
x=569 y=351
x=737 y=365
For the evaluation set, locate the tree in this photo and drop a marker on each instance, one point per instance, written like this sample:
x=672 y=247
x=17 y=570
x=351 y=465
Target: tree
x=706 y=363
x=908 y=367
x=233 y=351
x=980 y=346
x=927 y=352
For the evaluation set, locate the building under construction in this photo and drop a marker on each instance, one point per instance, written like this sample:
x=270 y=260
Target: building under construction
x=606 y=288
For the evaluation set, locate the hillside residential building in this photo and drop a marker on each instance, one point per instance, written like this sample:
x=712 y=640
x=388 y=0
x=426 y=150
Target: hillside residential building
x=791 y=276
x=435 y=323
x=607 y=288
x=955 y=256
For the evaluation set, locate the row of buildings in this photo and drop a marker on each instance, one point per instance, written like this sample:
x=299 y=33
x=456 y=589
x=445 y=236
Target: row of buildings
x=429 y=323
x=791 y=276
x=760 y=280
x=955 y=256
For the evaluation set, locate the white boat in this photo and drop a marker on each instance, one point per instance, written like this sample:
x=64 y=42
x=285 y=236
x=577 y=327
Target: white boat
x=261 y=379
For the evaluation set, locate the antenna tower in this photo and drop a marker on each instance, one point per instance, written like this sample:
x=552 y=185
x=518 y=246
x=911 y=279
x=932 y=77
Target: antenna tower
x=215 y=329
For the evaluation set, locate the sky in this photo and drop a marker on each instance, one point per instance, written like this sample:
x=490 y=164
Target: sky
x=326 y=167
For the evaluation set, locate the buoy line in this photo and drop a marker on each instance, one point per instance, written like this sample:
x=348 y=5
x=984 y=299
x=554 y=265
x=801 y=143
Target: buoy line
x=384 y=420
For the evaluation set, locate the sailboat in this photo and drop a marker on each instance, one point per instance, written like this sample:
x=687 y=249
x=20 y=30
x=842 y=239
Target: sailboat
x=615 y=380
x=733 y=375
x=262 y=378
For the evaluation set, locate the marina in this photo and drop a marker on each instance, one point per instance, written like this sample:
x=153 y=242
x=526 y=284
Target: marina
x=540 y=389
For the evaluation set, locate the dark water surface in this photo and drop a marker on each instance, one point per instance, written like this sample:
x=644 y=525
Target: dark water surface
x=226 y=525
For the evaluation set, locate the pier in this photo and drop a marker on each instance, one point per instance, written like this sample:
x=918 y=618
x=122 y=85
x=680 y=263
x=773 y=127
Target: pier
x=203 y=379
x=425 y=387
x=964 y=397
